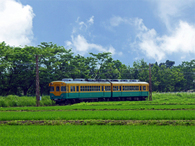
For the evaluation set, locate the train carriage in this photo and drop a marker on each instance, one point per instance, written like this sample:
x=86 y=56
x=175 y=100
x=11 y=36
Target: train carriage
x=130 y=90
x=71 y=91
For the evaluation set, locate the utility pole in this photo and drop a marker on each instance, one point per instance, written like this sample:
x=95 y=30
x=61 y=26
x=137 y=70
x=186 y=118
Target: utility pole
x=37 y=81
x=150 y=83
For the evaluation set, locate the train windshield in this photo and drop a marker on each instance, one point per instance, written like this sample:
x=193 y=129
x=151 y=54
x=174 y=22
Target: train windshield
x=51 y=89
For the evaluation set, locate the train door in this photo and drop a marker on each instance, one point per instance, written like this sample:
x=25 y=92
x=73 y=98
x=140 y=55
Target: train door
x=120 y=89
x=103 y=89
x=140 y=91
x=74 y=91
x=57 y=90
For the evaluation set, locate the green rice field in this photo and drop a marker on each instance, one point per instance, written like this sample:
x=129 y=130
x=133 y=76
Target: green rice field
x=122 y=106
x=97 y=135
x=167 y=120
x=100 y=115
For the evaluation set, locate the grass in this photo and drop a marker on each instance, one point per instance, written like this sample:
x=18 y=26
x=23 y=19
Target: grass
x=100 y=115
x=123 y=106
x=99 y=123
x=97 y=135
x=17 y=101
x=158 y=99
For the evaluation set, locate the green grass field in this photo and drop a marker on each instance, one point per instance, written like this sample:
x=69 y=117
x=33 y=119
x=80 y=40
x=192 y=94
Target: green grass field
x=100 y=115
x=97 y=135
x=167 y=120
x=158 y=99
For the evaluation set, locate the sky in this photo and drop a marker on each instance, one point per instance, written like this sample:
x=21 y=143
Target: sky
x=153 y=30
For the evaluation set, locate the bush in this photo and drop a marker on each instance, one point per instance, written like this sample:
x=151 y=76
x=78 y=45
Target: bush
x=17 y=101
x=3 y=102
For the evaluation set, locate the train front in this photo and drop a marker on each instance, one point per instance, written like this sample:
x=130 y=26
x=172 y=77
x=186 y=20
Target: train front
x=58 y=90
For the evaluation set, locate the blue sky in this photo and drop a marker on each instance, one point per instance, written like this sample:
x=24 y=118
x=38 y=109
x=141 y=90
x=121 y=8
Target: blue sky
x=153 y=30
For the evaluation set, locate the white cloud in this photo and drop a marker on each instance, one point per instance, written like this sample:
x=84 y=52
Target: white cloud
x=84 y=25
x=16 y=23
x=81 y=46
x=180 y=40
x=117 y=20
x=180 y=37
x=79 y=43
x=140 y=25
x=167 y=10
x=91 y=20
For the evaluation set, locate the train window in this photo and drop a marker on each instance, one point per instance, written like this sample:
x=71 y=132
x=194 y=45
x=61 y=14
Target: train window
x=66 y=88
x=120 y=88
x=72 y=88
x=63 y=88
x=140 y=88
x=144 y=87
x=57 y=88
x=51 y=89
x=114 y=88
x=81 y=88
x=102 y=88
x=107 y=88
x=77 y=88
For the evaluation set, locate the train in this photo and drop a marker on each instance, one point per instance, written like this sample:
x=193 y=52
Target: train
x=70 y=91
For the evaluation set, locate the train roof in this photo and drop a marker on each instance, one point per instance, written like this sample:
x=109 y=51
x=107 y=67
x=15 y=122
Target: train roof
x=98 y=82
x=83 y=82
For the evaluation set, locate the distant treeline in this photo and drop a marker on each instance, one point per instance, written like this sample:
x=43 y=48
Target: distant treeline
x=17 y=69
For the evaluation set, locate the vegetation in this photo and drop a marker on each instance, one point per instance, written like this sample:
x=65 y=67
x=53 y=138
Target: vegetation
x=112 y=106
x=158 y=99
x=101 y=115
x=17 y=69
x=97 y=135
x=167 y=120
x=16 y=101
x=17 y=77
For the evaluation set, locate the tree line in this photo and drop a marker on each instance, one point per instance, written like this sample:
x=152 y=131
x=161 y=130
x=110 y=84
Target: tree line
x=17 y=69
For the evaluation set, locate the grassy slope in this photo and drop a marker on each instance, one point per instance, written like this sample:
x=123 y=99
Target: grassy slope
x=158 y=98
